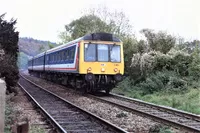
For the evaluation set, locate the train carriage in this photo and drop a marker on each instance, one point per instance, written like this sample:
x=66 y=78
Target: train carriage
x=93 y=62
x=38 y=62
x=30 y=65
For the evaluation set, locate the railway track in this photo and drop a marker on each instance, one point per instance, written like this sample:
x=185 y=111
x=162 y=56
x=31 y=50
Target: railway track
x=65 y=116
x=176 y=118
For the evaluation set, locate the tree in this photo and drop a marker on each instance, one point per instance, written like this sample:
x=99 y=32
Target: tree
x=9 y=43
x=97 y=20
x=142 y=47
x=130 y=47
x=160 y=41
x=85 y=25
x=117 y=21
x=189 y=47
x=65 y=37
x=194 y=69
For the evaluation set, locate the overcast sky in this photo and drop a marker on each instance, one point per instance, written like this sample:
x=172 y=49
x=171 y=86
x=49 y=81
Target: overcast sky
x=43 y=19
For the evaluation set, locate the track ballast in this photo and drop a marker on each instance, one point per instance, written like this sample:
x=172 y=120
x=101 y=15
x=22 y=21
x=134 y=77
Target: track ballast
x=179 y=119
x=66 y=116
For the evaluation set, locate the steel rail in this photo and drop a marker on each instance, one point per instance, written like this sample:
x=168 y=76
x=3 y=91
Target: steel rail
x=79 y=108
x=53 y=121
x=173 y=110
x=151 y=115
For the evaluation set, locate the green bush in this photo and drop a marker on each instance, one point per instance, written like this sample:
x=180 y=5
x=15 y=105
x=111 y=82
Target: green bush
x=162 y=81
x=149 y=63
x=176 y=84
x=194 y=67
x=180 y=62
x=9 y=117
x=125 y=85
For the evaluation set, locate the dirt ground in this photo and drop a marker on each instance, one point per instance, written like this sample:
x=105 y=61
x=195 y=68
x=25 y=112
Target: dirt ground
x=22 y=112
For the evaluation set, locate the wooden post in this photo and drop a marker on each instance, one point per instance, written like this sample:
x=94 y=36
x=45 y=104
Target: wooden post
x=2 y=104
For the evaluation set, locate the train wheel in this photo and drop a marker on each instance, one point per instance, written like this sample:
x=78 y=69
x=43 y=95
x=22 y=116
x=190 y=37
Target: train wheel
x=107 y=91
x=90 y=87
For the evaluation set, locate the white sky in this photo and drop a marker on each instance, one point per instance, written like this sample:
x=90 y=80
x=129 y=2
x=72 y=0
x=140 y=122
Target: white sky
x=43 y=19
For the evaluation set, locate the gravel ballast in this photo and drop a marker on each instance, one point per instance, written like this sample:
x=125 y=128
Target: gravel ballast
x=24 y=110
x=127 y=120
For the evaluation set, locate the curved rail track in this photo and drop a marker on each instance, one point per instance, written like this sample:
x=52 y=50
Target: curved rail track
x=65 y=116
x=178 y=119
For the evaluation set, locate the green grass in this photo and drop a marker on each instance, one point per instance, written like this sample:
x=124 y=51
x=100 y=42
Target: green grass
x=36 y=130
x=160 y=129
x=188 y=101
x=8 y=118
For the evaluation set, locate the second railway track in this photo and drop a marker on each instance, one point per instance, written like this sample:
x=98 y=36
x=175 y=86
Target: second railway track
x=179 y=119
x=67 y=117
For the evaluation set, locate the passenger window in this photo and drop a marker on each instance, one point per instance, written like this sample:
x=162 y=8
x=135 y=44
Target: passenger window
x=67 y=55
x=73 y=53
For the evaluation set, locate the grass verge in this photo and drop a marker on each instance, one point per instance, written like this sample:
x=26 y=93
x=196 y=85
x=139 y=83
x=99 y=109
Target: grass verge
x=188 y=101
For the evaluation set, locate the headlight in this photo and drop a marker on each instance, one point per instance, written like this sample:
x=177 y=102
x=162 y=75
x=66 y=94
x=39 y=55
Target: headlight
x=89 y=69
x=103 y=69
x=115 y=70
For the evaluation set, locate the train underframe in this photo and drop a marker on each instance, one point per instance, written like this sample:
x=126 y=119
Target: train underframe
x=89 y=83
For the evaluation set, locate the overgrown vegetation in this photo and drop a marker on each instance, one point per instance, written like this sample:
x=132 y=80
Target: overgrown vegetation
x=160 y=129
x=37 y=130
x=170 y=79
x=8 y=118
x=161 y=68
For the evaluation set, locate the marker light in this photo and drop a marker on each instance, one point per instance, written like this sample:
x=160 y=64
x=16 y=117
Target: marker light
x=116 y=70
x=89 y=69
x=103 y=69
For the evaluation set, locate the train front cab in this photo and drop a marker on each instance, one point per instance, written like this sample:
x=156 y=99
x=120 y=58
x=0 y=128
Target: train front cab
x=102 y=63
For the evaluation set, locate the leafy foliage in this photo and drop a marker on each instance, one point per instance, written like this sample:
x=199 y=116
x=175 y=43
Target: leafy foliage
x=85 y=25
x=188 y=47
x=8 y=42
x=130 y=47
x=160 y=41
x=194 y=68
x=153 y=61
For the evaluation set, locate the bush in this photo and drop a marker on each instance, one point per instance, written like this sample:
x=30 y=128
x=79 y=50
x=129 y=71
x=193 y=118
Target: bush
x=176 y=84
x=166 y=81
x=194 y=67
x=125 y=85
x=180 y=62
x=142 y=64
x=155 y=71
x=153 y=61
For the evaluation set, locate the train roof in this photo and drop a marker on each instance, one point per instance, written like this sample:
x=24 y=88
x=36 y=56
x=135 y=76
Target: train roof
x=100 y=36
x=38 y=55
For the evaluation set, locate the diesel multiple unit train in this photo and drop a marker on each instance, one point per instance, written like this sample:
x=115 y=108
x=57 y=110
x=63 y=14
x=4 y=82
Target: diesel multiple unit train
x=93 y=62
